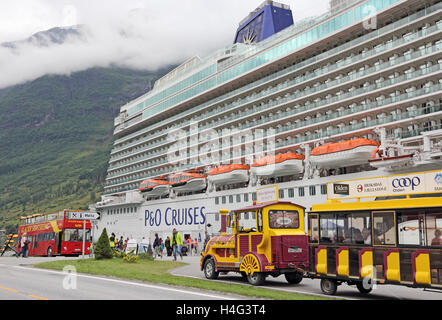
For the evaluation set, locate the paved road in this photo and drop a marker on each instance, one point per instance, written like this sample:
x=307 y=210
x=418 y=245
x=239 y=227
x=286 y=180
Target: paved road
x=19 y=281
x=311 y=286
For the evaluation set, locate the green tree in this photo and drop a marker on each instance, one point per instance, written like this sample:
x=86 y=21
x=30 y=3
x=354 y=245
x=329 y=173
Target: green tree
x=103 y=249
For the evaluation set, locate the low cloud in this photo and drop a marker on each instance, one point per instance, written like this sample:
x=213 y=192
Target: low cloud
x=139 y=34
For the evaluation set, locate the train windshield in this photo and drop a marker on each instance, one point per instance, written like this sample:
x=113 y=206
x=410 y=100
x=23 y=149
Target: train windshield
x=283 y=219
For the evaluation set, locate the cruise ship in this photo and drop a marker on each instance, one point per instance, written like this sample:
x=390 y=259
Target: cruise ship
x=354 y=93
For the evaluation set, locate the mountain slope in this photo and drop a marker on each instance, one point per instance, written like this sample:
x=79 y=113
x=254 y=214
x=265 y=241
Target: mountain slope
x=56 y=137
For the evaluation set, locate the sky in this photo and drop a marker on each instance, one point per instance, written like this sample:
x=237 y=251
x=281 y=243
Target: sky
x=139 y=34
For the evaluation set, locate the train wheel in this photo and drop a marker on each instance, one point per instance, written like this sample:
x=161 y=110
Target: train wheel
x=329 y=286
x=209 y=269
x=256 y=279
x=294 y=277
x=50 y=252
x=362 y=289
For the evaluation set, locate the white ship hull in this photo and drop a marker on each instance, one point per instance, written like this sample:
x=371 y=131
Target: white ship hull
x=285 y=168
x=353 y=157
x=234 y=176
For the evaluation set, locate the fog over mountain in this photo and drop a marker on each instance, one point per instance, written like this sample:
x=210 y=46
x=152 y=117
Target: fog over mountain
x=138 y=34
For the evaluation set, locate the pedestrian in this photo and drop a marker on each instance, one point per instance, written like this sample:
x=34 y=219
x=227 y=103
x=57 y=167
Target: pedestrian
x=112 y=241
x=196 y=245
x=157 y=246
x=125 y=244
x=168 y=246
x=190 y=245
x=206 y=240
x=24 y=242
x=177 y=244
x=161 y=246
x=120 y=244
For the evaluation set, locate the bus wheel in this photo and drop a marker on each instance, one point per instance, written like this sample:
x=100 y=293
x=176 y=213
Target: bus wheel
x=329 y=286
x=50 y=252
x=256 y=278
x=293 y=277
x=209 y=269
x=362 y=289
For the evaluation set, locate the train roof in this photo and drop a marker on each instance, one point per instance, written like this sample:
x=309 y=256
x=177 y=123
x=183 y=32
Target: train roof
x=336 y=205
x=263 y=205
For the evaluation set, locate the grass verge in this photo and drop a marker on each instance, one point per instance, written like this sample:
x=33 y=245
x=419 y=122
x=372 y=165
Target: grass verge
x=157 y=272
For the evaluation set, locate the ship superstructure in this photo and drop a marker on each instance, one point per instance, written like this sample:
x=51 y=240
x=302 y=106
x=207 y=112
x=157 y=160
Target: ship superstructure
x=353 y=93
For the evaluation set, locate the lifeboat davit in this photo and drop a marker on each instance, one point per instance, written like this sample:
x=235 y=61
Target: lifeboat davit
x=188 y=182
x=154 y=187
x=343 y=154
x=229 y=174
x=278 y=165
x=390 y=163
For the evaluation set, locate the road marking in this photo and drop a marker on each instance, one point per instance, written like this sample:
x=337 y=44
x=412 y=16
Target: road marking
x=37 y=297
x=9 y=289
x=275 y=289
x=131 y=283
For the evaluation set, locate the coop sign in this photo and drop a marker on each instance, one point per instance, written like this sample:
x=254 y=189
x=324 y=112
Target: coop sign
x=404 y=184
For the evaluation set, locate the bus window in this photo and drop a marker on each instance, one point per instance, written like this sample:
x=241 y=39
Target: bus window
x=343 y=224
x=52 y=216
x=283 y=219
x=411 y=228
x=313 y=228
x=259 y=221
x=328 y=228
x=384 y=230
x=434 y=227
x=360 y=228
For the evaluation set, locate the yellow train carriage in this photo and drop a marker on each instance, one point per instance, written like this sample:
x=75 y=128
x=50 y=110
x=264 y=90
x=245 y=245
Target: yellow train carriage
x=275 y=244
x=389 y=241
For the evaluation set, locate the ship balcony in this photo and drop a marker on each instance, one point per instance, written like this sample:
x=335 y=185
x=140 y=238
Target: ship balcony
x=351 y=45
x=382 y=51
x=397 y=83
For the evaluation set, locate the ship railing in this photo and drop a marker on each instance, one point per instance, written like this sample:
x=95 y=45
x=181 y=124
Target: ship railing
x=307 y=62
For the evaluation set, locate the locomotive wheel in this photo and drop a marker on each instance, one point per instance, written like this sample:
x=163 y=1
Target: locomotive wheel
x=329 y=286
x=209 y=269
x=293 y=277
x=256 y=279
x=362 y=289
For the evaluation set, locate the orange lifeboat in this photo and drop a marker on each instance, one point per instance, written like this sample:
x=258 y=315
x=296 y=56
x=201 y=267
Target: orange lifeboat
x=345 y=153
x=278 y=165
x=188 y=182
x=229 y=174
x=154 y=187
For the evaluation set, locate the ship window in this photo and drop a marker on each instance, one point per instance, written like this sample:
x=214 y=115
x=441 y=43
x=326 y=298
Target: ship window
x=231 y=199
x=216 y=200
x=323 y=189
x=301 y=191
x=312 y=190
x=291 y=192
x=281 y=194
x=246 y=197
x=238 y=198
x=216 y=216
x=253 y=196
x=223 y=199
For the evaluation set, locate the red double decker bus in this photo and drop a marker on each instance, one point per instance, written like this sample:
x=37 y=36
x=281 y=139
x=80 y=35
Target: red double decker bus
x=55 y=234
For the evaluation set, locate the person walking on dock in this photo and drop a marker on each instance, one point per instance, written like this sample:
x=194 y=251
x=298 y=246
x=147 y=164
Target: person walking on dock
x=177 y=244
